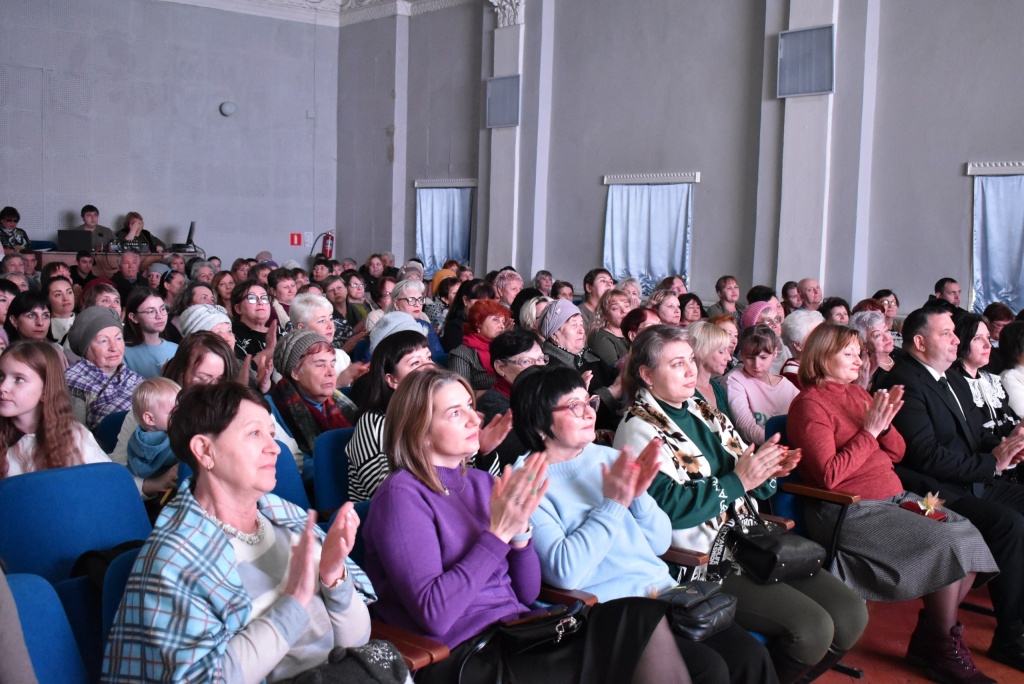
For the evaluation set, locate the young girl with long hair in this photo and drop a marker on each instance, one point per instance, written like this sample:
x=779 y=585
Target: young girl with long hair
x=37 y=429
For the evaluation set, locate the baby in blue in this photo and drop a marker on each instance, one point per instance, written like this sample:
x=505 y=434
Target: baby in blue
x=149 y=449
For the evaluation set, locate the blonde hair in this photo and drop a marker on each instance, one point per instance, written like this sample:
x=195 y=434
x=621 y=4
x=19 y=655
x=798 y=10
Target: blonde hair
x=705 y=338
x=149 y=392
x=407 y=423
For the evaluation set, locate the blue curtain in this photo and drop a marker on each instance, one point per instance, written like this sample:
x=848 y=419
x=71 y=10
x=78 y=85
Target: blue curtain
x=647 y=232
x=998 y=241
x=444 y=217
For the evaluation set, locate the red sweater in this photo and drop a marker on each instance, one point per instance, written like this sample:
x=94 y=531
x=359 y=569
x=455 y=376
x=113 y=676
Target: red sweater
x=838 y=454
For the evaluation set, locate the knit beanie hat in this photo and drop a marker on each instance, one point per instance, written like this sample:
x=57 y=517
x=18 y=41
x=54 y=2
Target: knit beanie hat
x=292 y=347
x=157 y=267
x=752 y=313
x=411 y=267
x=389 y=323
x=291 y=264
x=88 y=324
x=202 y=317
x=555 y=316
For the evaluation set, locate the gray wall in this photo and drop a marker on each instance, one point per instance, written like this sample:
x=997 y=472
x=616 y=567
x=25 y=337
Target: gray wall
x=114 y=103
x=951 y=91
x=444 y=100
x=661 y=86
x=366 y=131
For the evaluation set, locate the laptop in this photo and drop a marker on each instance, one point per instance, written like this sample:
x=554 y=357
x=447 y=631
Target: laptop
x=74 y=240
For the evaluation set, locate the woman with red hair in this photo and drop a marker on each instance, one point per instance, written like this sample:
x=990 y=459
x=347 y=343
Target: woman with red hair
x=486 y=320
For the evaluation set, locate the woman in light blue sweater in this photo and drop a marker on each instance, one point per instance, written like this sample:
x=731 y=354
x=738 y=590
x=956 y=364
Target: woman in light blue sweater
x=597 y=529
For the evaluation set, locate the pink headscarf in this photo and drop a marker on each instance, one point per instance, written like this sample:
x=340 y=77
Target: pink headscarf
x=753 y=312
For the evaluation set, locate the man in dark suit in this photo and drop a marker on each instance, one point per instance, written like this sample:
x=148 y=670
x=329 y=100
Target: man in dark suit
x=127 y=276
x=944 y=455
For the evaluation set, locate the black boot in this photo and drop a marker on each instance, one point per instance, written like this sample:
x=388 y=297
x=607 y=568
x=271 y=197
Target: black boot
x=789 y=669
x=831 y=658
x=920 y=647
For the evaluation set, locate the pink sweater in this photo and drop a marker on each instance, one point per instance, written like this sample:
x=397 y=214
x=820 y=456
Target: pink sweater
x=752 y=402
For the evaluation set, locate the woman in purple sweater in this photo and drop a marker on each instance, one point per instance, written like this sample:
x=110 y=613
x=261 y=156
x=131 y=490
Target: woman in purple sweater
x=449 y=552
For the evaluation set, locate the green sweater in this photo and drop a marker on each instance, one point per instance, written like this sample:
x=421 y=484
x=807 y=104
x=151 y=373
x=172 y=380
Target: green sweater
x=697 y=501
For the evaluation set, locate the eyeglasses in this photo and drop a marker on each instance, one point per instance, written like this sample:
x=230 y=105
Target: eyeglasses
x=530 y=361
x=411 y=300
x=579 y=408
x=154 y=311
x=766 y=321
x=889 y=302
x=356 y=286
x=257 y=299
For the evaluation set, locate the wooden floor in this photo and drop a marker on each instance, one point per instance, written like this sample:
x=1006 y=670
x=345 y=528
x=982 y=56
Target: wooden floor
x=881 y=650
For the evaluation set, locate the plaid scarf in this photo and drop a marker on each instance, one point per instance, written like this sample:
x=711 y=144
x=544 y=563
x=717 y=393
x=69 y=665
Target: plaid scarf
x=102 y=394
x=304 y=419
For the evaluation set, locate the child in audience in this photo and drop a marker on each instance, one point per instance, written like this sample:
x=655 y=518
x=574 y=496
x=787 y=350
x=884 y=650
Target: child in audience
x=149 y=450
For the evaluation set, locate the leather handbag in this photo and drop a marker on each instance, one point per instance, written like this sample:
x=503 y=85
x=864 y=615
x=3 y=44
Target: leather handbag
x=769 y=554
x=699 y=609
x=548 y=628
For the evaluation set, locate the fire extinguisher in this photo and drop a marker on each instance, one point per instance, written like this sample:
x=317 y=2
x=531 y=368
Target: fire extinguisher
x=328 y=247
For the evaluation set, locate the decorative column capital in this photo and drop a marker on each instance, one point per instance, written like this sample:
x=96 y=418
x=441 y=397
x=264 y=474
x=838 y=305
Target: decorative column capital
x=510 y=12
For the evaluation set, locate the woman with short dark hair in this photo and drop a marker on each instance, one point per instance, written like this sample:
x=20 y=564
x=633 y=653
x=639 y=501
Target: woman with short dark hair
x=598 y=530
x=259 y=591
x=470 y=291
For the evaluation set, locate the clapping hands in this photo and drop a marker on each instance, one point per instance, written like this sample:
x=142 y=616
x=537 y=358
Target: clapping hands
x=628 y=478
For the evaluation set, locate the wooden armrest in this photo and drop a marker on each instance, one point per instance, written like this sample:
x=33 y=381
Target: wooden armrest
x=784 y=523
x=686 y=557
x=843 y=498
x=565 y=597
x=417 y=651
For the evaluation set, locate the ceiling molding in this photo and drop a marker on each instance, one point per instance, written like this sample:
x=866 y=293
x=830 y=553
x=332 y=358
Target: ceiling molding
x=334 y=13
x=995 y=168
x=446 y=183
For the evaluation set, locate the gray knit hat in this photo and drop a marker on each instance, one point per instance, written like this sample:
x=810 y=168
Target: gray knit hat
x=292 y=347
x=391 y=322
x=554 y=317
x=88 y=324
x=158 y=267
x=202 y=317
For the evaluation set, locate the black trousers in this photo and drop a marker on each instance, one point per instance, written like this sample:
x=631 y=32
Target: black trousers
x=997 y=514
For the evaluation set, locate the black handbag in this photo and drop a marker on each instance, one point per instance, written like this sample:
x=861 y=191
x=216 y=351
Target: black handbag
x=550 y=627
x=699 y=609
x=770 y=554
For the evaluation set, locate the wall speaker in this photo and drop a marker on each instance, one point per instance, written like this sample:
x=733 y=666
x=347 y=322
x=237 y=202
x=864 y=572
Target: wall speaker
x=807 y=61
x=503 y=101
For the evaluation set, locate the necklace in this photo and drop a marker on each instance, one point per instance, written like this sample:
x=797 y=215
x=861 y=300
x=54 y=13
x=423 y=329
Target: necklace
x=250 y=538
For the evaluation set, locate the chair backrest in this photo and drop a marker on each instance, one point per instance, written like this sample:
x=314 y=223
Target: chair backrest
x=52 y=517
x=330 y=468
x=51 y=645
x=776 y=424
x=114 y=583
x=109 y=428
x=277 y=414
x=289 y=480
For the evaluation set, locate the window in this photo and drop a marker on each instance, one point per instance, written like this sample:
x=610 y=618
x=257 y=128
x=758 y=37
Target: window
x=444 y=220
x=998 y=260
x=647 y=229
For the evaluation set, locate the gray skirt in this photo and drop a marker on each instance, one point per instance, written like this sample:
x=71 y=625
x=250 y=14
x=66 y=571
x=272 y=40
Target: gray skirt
x=887 y=553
